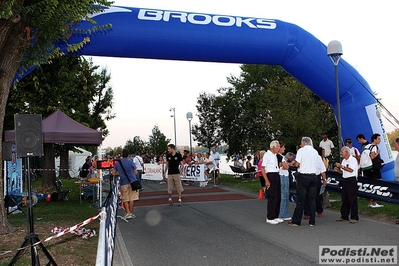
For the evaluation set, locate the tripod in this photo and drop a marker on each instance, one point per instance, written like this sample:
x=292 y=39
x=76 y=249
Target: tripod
x=31 y=238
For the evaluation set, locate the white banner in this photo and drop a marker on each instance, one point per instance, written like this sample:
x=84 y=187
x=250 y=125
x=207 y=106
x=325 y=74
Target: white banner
x=193 y=172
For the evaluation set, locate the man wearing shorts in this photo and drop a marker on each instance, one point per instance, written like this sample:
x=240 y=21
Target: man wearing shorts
x=126 y=177
x=173 y=160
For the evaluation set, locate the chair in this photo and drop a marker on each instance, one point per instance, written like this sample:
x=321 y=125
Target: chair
x=62 y=193
x=239 y=171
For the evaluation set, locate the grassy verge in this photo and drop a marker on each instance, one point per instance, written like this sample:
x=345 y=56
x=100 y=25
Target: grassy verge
x=68 y=249
x=389 y=213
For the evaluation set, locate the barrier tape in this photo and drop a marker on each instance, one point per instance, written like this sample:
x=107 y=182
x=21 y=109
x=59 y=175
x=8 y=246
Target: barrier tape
x=61 y=232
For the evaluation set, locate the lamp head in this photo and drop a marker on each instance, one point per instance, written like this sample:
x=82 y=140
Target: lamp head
x=334 y=48
x=189 y=116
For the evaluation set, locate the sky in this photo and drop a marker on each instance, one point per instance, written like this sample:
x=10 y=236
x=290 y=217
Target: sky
x=146 y=89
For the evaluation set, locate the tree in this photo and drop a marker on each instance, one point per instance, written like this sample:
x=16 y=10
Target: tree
x=71 y=84
x=29 y=30
x=207 y=132
x=266 y=103
x=158 y=142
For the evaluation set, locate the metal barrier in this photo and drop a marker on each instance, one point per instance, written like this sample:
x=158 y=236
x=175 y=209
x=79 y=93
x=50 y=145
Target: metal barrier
x=106 y=239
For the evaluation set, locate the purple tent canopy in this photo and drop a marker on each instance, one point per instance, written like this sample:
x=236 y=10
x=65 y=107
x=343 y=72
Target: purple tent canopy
x=60 y=128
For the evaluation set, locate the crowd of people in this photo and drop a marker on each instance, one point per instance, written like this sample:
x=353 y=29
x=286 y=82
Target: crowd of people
x=273 y=167
x=310 y=178
x=131 y=168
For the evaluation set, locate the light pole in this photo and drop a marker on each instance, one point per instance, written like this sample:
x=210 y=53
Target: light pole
x=189 y=117
x=172 y=109
x=154 y=133
x=334 y=51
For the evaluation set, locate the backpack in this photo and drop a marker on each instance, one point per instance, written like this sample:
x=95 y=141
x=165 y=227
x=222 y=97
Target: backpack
x=365 y=160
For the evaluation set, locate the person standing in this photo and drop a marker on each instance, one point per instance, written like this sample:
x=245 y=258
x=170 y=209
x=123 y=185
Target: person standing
x=309 y=165
x=139 y=162
x=272 y=178
x=374 y=152
x=284 y=185
x=328 y=147
x=173 y=160
x=126 y=170
x=349 y=170
x=353 y=150
x=216 y=157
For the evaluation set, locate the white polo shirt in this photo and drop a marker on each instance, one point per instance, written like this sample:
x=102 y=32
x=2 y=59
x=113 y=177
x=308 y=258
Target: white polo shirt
x=351 y=162
x=270 y=162
x=308 y=159
x=327 y=146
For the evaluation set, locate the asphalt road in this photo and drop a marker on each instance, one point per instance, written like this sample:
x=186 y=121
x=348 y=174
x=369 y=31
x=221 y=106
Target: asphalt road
x=234 y=233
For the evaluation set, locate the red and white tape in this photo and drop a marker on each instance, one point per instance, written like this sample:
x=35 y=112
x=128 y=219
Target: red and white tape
x=85 y=233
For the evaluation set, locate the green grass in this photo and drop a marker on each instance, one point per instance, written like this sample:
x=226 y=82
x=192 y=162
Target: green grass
x=390 y=211
x=68 y=249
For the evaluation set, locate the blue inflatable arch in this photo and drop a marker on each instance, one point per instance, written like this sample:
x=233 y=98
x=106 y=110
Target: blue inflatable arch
x=175 y=35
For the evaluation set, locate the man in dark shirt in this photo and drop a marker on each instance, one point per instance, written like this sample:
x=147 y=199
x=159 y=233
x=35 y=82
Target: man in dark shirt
x=85 y=170
x=173 y=160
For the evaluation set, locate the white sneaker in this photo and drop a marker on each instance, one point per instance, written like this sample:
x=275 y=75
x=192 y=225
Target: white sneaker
x=287 y=219
x=279 y=220
x=271 y=221
x=376 y=205
x=130 y=216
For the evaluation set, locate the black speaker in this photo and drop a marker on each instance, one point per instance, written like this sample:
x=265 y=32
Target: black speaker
x=28 y=135
x=7 y=151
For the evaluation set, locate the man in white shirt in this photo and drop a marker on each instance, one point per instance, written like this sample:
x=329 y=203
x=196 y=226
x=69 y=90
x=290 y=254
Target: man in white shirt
x=139 y=162
x=270 y=172
x=216 y=157
x=308 y=163
x=349 y=169
x=353 y=151
x=328 y=147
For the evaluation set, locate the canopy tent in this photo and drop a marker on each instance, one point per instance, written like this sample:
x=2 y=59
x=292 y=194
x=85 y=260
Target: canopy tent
x=60 y=128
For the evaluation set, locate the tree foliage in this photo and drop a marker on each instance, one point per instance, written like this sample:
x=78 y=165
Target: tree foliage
x=264 y=103
x=207 y=132
x=71 y=84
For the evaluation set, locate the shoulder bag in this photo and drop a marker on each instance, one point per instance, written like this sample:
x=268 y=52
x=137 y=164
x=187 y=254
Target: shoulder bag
x=136 y=185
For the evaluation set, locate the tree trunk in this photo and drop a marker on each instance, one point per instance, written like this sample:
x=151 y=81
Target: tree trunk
x=12 y=43
x=49 y=177
x=64 y=162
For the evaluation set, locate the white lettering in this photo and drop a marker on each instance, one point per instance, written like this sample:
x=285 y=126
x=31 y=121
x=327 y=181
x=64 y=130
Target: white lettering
x=150 y=14
x=246 y=21
x=202 y=19
x=180 y=15
x=220 y=21
x=266 y=24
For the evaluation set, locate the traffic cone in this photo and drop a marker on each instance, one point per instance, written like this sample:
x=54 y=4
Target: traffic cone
x=261 y=195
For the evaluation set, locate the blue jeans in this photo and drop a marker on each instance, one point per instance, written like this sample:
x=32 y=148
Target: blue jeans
x=285 y=193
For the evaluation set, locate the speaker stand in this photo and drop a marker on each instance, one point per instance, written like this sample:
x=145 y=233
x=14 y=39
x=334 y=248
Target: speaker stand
x=31 y=239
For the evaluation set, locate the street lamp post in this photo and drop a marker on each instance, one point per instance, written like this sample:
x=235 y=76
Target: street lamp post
x=334 y=51
x=189 y=117
x=154 y=133
x=172 y=109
